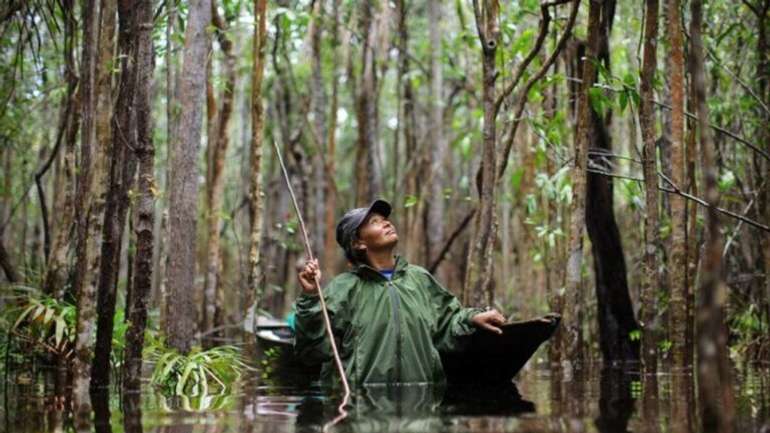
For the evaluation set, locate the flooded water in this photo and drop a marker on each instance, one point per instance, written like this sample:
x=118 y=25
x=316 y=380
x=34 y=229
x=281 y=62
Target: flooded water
x=585 y=400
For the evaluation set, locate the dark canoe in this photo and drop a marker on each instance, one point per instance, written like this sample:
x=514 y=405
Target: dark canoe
x=488 y=358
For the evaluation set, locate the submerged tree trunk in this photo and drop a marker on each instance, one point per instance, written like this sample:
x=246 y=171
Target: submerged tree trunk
x=85 y=326
x=183 y=182
x=574 y=284
x=615 y=312
x=714 y=384
x=648 y=313
x=677 y=303
x=479 y=283
x=215 y=188
x=253 y=292
x=98 y=190
x=145 y=203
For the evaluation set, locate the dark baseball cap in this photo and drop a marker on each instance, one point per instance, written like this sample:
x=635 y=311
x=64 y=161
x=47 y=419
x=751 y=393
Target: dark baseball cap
x=347 y=227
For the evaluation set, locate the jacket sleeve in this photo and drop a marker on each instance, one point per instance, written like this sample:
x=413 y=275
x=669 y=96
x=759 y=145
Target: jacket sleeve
x=310 y=342
x=453 y=322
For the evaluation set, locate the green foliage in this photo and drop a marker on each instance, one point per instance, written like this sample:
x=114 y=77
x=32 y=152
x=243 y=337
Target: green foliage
x=43 y=324
x=194 y=374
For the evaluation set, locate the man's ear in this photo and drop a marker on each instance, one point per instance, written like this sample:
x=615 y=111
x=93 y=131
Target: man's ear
x=358 y=245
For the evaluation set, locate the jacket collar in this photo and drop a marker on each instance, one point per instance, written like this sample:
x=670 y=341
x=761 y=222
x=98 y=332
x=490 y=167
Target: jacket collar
x=367 y=272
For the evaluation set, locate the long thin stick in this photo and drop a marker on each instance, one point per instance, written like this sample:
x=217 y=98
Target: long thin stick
x=324 y=312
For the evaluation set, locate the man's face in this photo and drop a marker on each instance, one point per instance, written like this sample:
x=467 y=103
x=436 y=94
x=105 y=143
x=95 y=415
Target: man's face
x=377 y=233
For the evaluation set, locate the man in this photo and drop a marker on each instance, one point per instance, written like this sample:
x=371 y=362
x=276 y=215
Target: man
x=390 y=319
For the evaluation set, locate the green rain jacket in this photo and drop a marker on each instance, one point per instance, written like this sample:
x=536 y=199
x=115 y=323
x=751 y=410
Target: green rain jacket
x=386 y=331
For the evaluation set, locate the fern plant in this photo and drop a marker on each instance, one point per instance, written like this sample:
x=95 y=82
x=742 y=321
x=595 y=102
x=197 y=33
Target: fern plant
x=45 y=325
x=201 y=372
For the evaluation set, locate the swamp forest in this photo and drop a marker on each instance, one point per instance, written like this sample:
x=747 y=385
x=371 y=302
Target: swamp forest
x=603 y=165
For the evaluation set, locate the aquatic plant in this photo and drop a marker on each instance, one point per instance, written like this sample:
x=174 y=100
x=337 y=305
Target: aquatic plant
x=42 y=325
x=196 y=373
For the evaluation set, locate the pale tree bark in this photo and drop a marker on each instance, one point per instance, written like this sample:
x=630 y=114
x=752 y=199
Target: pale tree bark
x=714 y=383
x=215 y=187
x=479 y=284
x=56 y=268
x=183 y=181
x=677 y=303
x=98 y=189
x=253 y=292
x=85 y=294
x=574 y=284
x=368 y=176
x=145 y=202
x=648 y=313
x=434 y=227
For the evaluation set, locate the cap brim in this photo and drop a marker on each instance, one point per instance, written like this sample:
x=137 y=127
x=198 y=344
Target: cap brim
x=380 y=207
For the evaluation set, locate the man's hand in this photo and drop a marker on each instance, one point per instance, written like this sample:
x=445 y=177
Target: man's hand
x=489 y=320
x=307 y=277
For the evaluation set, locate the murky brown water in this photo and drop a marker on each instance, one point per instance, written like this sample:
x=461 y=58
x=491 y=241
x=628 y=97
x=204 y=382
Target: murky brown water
x=585 y=400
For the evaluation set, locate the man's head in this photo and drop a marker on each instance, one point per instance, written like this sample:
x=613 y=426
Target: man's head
x=366 y=228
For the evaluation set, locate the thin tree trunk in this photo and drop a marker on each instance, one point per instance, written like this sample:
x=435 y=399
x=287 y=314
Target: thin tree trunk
x=714 y=384
x=574 y=283
x=85 y=324
x=615 y=312
x=56 y=268
x=183 y=182
x=677 y=303
x=368 y=179
x=98 y=190
x=435 y=205
x=253 y=292
x=145 y=204
x=648 y=313
x=331 y=145
x=215 y=189
x=479 y=283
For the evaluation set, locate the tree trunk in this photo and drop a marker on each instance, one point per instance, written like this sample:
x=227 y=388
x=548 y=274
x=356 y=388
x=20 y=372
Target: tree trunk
x=368 y=178
x=145 y=203
x=331 y=145
x=434 y=228
x=574 y=284
x=56 y=268
x=183 y=182
x=85 y=324
x=98 y=190
x=648 y=314
x=215 y=190
x=122 y=168
x=616 y=314
x=479 y=283
x=714 y=384
x=253 y=293
x=677 y=303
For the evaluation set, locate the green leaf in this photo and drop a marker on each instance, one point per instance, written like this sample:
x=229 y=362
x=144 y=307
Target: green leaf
x=410 y=201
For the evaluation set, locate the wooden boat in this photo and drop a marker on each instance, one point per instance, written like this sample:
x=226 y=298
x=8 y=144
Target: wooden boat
x=488 y=359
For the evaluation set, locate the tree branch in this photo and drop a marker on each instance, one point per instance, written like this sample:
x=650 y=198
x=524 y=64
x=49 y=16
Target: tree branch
x=463 y=224
x=523 y=98
x=675 y=190
x=545 y=21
